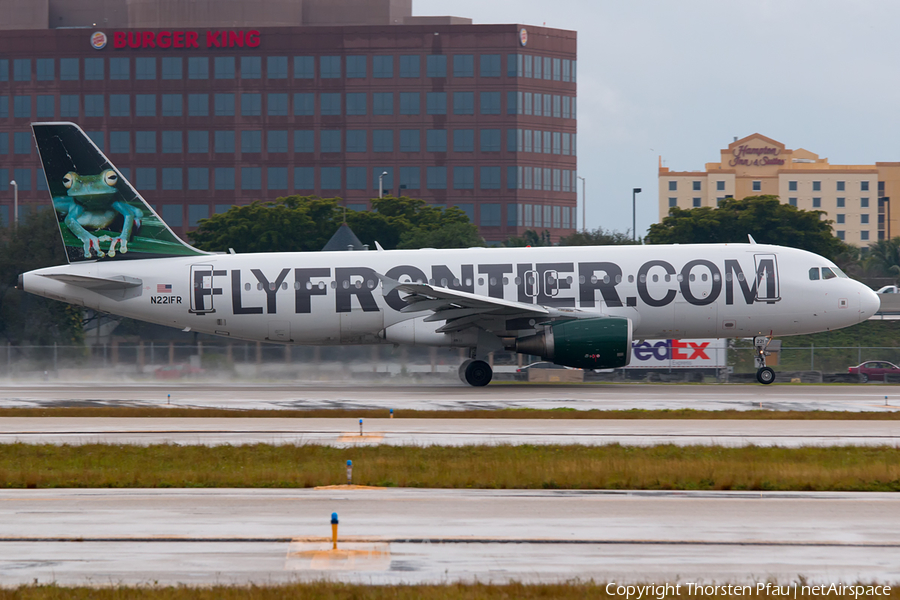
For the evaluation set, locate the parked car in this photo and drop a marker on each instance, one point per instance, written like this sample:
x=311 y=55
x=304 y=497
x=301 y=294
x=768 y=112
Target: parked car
x=889 y=289
x=875 y=370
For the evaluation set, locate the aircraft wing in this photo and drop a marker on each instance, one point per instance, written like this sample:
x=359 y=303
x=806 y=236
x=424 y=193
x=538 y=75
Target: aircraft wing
x=460 y=309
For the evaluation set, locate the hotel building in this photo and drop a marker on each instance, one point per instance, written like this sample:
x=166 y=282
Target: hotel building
x=205 y=104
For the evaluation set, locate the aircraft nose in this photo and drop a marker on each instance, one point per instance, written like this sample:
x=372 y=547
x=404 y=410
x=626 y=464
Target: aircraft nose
x=869 y=302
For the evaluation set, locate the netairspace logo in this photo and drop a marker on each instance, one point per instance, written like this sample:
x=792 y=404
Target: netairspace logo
x=794 y=590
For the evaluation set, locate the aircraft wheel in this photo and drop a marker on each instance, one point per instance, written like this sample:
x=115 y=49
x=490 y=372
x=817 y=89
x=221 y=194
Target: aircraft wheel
x=478 y=373
x=462 y=369
x=766 y=375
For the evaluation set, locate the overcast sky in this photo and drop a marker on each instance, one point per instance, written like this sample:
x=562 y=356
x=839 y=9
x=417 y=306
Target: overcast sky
x=681 y=79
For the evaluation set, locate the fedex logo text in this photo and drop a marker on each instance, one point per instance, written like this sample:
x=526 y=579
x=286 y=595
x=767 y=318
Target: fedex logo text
x=671 y=349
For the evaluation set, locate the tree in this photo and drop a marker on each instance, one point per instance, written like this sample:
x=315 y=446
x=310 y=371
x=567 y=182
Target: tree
x=25 y=318
x=529 y=238
x=764 y=217
x=598 y=237
x=883 y=258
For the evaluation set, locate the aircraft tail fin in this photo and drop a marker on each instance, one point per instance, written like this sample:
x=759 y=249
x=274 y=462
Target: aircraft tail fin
x=101 y=215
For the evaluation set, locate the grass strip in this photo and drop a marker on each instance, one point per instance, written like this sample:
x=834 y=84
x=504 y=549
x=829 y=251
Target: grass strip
x=505 y=413
x=346 y=591
x=664 y=467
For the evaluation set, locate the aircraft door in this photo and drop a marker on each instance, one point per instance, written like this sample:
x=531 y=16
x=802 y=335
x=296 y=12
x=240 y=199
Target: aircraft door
x=551 y=283
x=532 y=285
x=203 y=288
x=767 y=288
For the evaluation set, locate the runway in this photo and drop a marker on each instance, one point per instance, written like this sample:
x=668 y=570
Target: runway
x=446 y=432
x=377 y=394
x=263 y=536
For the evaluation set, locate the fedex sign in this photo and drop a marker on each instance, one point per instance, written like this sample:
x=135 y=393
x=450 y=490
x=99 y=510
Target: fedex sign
x=678 y=353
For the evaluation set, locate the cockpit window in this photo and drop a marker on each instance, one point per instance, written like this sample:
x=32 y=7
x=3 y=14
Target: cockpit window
x=827 y=273
x=839 y=273
x=814 y=274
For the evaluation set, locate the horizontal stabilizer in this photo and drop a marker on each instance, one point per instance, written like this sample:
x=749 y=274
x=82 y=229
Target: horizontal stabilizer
x=118 y=287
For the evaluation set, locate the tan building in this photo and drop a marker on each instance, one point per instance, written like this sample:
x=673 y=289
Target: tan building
x=855 y=197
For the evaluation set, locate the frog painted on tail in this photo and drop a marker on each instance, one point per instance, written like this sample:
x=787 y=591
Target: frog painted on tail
x=89 y=205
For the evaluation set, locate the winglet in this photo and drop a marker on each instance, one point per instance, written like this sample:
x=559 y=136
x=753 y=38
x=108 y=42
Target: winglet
x=388 y=285
x=750 y=237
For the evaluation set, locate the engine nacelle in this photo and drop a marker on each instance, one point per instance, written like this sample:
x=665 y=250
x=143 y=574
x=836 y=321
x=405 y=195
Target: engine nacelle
x=602 y=343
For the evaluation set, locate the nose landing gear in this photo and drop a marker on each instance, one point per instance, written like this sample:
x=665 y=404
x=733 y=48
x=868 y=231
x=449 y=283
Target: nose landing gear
x=764 y=374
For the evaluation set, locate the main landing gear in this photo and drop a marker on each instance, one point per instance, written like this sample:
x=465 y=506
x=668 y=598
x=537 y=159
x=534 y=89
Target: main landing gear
x=764 y=374
x=476 y=372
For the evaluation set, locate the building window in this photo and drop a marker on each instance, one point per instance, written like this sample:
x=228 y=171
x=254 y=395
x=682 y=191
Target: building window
x=276 y=68
x=251 y=105
x=22 y=142
x=277 y=105
x=356 y=104
x=513 y=177
x=514 y=65
x=68 y=69
x=304 y=178
x=792 y=186
x=409 y=103
x=864 y=203
x=490 y=65
x=840 y=219
x=696 y=202
x=538 y=112
x=330 y=68
x=490 y=180
x=198 y=178
x=673 y=186
x=277 y=143
x=463 y=65
x=757 y=186
x=840 y=186
x=45 y=70
x=436 y=65
x=410 y=66
x=490 y=103
x=304 y=105
x=172 y=67
x=864 y=186
x=673 y=202
x=196 y=212
x=171 y=142
x=436 y=103
x=224 y=142
x=251 y=67
x=93 y=105
x=251 y=141
x=463 y=103
x=251 y=178
x=490 y=214
x=198 y=142
x=556 y=107
x=409 y=142
x=331 y=178
x=330 y=104
x=173 y=214
x=490 y=140
x=817 y=186
x=198 y=67
x=436 y=140
x=172 y=178
x=864 y=236
x=356 y=140
x=383 y=67
x=513 y=103
x=144 y=105
x=436 y=178
x=224 y=105
x=22 y=107
x=145 y=142
x=93 y=69
x=68 y=105
x=46 y=107
x=864 y=218
x=792 y=202
x=383 y=103
x=119 y=68
x=464 y=140
x=841 y=202
x=304 y=68
x=356 y=178
x=356 y=67
x=198 y=105
x=720 y=186
x=410 y=178
x=817 y=203
x=224 y=178
x=304 y=141
x=330 y=140
x=696 y=186
x=145 y=178
x=276 y=178
x=463 y=178
x=383 y=140
x=171 y=105
x=469 y=209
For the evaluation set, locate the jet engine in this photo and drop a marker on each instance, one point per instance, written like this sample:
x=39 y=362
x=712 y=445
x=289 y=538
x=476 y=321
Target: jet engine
x=602 y=343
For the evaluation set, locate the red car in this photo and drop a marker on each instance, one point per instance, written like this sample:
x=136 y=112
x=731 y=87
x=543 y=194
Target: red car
x=875 y=370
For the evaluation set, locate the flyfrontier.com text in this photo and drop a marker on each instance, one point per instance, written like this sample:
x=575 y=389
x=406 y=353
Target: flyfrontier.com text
x=794 y=590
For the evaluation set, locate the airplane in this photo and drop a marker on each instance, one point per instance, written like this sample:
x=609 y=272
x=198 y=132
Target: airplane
x=575 y=306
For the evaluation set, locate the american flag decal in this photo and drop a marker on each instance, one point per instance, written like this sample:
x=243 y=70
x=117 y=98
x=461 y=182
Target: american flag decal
x=163 y=288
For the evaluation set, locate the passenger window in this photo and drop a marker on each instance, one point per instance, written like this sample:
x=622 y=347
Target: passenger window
x=814 y=274
x=827 y=273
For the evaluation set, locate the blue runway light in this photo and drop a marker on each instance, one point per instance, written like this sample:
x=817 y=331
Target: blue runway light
x=334 y=518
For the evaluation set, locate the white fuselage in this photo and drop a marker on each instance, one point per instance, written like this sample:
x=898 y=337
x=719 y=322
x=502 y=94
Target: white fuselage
x=677 y=291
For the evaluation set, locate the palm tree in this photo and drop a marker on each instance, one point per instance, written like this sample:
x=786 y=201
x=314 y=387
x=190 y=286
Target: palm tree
x=883 y=258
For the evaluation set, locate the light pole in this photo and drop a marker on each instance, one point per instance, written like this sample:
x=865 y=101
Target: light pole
x=381 y=184
x=634 y=193
x=15 y=204
x=583 y=202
